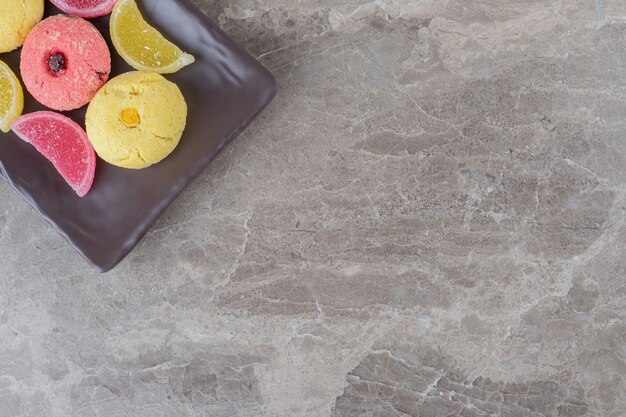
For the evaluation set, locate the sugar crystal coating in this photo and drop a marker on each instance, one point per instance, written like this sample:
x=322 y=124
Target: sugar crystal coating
x=85 y=8
x=86 y=62
x=62 y=142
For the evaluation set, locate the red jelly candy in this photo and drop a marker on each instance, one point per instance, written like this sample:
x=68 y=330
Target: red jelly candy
x=63 y=142
x=85 y=8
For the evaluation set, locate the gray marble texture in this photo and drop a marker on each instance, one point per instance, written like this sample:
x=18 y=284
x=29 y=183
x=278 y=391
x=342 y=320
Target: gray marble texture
x=428 y=220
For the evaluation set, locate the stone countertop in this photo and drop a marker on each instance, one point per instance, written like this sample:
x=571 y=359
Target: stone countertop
x=428 y=220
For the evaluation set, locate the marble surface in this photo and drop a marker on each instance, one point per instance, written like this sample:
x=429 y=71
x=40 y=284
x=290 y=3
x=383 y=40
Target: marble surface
x=429 y=220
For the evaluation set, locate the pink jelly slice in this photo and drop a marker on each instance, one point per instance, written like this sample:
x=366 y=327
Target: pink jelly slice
x=64 y=143
x=85 y=8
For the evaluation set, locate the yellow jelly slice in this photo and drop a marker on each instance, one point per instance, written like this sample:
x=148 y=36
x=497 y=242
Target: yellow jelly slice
x=11 y=97
x=141 y=45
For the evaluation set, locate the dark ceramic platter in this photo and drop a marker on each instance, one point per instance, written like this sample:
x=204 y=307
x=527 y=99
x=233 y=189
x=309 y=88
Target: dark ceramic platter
x=225 y=89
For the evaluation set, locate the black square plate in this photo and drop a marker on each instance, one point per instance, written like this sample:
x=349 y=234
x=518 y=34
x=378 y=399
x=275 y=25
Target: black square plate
x=225 y=89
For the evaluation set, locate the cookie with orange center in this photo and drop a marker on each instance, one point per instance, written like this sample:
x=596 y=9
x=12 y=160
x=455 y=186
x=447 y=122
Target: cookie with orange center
x=64 y=62
x=136 y=119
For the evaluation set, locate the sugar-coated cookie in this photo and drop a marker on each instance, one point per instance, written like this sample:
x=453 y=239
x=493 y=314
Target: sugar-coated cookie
x=64 y=61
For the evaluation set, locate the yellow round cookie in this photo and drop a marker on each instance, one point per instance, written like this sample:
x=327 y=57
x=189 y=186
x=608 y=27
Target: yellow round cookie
x=136 y=119
x=17 y=18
